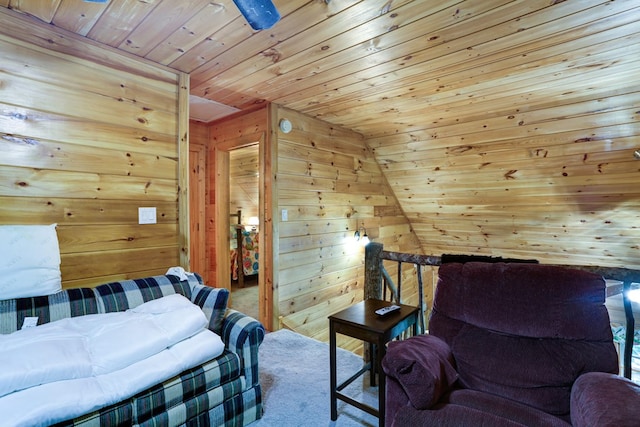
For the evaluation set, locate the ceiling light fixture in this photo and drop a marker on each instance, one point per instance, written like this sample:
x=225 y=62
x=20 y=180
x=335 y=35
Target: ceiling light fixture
x=260 y=14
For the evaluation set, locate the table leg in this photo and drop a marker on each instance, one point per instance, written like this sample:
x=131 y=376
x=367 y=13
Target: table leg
x=372 y=364
x=332 y=370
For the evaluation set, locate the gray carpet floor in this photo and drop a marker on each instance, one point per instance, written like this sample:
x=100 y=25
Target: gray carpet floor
x=294 y=375
x=245 y=300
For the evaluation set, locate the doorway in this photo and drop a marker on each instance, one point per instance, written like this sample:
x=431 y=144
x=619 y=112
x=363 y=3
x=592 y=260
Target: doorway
x=221 y=154
x=244 y=203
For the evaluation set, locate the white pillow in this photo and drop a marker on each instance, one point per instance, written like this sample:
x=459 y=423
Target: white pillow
x=29 y=261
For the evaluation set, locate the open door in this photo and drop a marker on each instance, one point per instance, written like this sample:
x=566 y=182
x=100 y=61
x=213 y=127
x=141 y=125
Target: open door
x=197 y=191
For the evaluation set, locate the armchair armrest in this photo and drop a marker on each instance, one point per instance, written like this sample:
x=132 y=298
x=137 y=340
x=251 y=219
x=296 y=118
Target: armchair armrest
x=602 y=399
x=423 y=366
x=243 y=335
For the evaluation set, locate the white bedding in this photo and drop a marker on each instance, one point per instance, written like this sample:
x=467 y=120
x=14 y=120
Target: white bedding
x=67 y=368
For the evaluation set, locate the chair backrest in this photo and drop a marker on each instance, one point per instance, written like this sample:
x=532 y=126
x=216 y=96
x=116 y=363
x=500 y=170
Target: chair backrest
x=523 y=331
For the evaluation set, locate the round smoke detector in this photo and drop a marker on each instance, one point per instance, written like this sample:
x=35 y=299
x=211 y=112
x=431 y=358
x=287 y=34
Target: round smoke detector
x=285 y=126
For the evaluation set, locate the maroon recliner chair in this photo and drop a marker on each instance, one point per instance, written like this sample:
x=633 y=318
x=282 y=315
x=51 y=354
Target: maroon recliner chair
x=511 y=344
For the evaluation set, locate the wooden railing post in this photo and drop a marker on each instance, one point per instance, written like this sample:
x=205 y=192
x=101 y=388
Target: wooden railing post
x=373 y=271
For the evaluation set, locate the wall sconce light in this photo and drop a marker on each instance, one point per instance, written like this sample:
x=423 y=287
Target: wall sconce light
x=361 y=237
x=260 y=14
x=636 y=154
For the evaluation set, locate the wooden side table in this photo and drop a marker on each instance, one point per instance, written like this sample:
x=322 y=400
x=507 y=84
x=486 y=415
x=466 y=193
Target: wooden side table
x=360 y=321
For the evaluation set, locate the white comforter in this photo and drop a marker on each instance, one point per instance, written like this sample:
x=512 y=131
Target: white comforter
x=67 y=368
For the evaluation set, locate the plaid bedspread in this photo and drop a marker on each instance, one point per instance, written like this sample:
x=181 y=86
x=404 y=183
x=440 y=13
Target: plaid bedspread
x=222 y=392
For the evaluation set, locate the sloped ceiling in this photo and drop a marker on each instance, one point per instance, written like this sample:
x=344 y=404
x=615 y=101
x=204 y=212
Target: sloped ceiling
x=380 y=67
x=430 y=84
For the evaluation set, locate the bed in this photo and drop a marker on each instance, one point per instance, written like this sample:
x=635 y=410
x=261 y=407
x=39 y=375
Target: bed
x=243 y=250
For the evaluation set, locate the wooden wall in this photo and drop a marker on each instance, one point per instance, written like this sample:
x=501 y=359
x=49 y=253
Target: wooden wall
x=330 y=185
x=86 y=137
x=523 y=147
x=560 y=184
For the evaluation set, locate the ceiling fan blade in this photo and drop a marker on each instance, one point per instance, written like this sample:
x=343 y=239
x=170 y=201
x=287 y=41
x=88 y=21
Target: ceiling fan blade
x=260 y=14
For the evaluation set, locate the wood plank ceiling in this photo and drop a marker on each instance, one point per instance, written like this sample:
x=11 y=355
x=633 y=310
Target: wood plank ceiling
x=419 y=79
x=377 y=66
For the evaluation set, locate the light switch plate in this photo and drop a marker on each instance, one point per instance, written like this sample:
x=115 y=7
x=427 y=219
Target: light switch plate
x=146 y=215
x=285 y=215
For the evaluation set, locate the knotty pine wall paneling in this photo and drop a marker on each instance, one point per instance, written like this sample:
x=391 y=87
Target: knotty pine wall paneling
x=86 y=137
x=330 y=185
